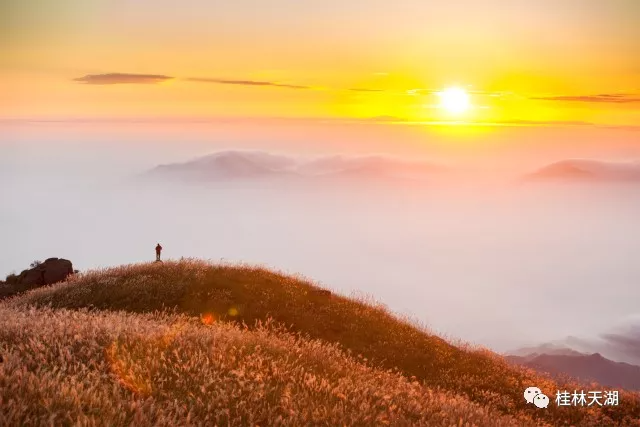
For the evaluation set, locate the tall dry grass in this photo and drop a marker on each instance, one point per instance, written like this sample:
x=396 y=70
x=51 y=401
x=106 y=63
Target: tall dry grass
x=63 y=367
x=368 y=332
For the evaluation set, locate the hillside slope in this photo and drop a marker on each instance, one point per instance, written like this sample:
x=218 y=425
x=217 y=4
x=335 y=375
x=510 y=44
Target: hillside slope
x=118 y=369
x=251 y=294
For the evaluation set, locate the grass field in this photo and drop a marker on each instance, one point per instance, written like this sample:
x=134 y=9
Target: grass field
x=194 y=343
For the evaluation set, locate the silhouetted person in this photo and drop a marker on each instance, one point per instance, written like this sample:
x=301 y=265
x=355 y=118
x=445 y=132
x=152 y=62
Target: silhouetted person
x=158 y=250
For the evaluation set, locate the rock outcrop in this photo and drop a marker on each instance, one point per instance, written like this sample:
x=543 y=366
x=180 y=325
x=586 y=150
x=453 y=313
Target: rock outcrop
x=52 y=270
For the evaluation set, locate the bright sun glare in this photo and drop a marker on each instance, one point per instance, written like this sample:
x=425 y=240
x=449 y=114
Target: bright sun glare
x=454 y=100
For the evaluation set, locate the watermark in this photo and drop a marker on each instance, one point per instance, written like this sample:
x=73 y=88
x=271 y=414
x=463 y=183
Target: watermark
x=589 y=398
x=536 y=397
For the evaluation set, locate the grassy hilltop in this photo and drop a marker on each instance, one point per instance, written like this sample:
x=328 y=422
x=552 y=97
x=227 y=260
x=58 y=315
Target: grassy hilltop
x=193 y=343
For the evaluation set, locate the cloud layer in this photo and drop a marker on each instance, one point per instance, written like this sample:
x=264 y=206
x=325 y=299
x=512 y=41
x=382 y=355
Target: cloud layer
x=122 y=78
x=244 y=82
x=132 y=78
x=615 y=98
x=237 y=164
x=588 y=169
x=622 y=344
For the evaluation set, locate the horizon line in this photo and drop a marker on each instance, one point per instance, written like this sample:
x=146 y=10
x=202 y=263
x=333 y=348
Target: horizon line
x=388 y=120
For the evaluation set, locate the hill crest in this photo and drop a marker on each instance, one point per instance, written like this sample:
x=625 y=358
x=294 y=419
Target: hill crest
x=247 y=294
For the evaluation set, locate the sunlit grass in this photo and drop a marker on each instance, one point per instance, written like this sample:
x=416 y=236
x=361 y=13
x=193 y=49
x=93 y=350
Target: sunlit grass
x=116 y=368
x=345 y=343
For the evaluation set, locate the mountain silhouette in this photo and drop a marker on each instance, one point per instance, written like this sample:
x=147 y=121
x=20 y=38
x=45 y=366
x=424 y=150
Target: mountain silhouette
x=583 y=170
x=584 y=367
x=227 y=165
x=252 y=165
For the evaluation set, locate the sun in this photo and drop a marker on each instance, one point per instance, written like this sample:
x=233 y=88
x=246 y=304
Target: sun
x=454 y=100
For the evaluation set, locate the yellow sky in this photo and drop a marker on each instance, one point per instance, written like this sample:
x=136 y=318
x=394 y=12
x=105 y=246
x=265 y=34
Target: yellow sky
x=521 y=61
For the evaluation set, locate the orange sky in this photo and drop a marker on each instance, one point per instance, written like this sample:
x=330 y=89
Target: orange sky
x=523 y=62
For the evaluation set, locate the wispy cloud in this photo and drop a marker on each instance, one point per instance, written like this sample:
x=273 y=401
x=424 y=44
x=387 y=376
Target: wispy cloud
x=384 y=119
x=626 y=344
x=543 y=123
x=355 y=89
x=621 y=344
x=415 y=92
x=631 y=128
x=244 y=82
x=131 y=78
x=615 y=98
x=122 y=78
x=423 y=91
x=433 y=122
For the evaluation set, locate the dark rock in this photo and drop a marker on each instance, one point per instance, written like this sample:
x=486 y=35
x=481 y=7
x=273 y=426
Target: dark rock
x=11 y=279
x=56 y=270
x=33 y=277
x=53 y=270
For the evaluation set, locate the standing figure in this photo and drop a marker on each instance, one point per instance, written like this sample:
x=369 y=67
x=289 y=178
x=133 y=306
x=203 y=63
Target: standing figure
x=158 y=250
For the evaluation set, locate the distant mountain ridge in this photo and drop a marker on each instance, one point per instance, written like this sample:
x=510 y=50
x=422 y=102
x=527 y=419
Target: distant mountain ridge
x=243 y=165
x=585 y=170
x=559 y=361
x=227 y=165
x=547 y=348
x=246 y=165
